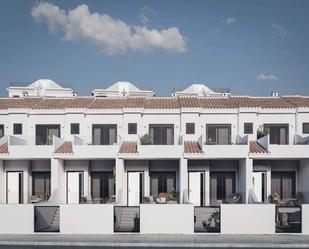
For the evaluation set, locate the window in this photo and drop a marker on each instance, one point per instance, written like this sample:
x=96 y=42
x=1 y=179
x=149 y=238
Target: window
x=162 y=134
x=17 y=129
x=41 y=184
x=305 y=128
x=218 y=134
x=190 y=128
x=278 y=133
x=222 y=186
x=75 y=129
x=1 y=130
x=132 y=128
x=102 y=186
x=44 y=134
x=162 y=182
x=248 y=128
x=283 y=183
x=104 y=134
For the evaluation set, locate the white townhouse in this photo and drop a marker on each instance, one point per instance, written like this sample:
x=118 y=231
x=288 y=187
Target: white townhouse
x=195 y=162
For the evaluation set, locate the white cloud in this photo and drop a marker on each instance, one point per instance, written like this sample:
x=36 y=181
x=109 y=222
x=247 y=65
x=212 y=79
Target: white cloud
x=278 y=30
x=267 y=77
x=111 y=36
x=229 y=20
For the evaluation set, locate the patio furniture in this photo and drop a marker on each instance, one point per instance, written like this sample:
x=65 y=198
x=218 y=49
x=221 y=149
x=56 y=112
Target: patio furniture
x=148 y=200
x=162 y=198
x=35 y=199
x=234 y=199
x=275 y=199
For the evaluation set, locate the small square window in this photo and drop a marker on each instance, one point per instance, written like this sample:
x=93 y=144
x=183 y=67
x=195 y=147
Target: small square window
x=75 y=129
x=305 y=128
x=132 y=128
x=18 y=129
x=248 y=128
x=190 y=128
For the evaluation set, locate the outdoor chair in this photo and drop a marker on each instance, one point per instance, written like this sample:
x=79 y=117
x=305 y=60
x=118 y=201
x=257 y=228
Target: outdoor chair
x=234 y=199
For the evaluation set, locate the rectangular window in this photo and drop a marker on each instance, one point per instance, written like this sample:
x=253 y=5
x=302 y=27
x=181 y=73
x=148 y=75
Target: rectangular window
x=305 y=128
x=278 y=133
x=102 y=186
x=74 y=128
x=283 y=183
x=218 y=134
x=1 y=131
x=248 y=128
x=162 y=183
x=222 y=186
x=162 y=134
x=41 y=184
x=18 y=129
x=105 y=134
x=44 y=134
x=132 y=128
x=190 y=128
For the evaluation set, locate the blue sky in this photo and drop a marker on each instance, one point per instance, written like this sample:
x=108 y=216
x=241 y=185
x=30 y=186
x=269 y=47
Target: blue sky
x=251 y=47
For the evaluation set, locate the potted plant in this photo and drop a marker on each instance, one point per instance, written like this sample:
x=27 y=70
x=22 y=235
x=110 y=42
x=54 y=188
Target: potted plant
x=146 y=139
x=172 y=198
x=262 y=132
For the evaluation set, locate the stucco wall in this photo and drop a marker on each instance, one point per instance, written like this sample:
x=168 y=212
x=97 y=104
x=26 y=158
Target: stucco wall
x=86 y=219
x=305 y=218
x=247 y=219
x=166 y=218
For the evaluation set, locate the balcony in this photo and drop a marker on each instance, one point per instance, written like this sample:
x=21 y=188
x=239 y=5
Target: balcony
x=238 y=149
x=298 y=149
x=83 y=148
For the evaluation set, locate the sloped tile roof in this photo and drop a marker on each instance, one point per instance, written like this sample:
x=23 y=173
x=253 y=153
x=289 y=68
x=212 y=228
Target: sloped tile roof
x=128 y=147
x=65 y=148
x=262 y=102
x=255 y=147
x=4 y=148
x=162 y=103
x=207 y=102
x=62 y=103
x=298 y=101
x=117 y=103
x=6 y=103
x=192 y=147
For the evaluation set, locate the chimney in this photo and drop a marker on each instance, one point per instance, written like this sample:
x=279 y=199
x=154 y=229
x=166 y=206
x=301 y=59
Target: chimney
x=274 y=94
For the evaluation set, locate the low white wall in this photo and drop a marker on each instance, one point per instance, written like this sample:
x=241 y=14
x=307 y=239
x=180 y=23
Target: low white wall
x=16 y=219
x=305 y=218
x=87 y=219
x=166 y=218
x=248 y=219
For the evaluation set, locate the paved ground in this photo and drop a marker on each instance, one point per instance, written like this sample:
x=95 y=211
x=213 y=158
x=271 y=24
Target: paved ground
x=152 y=241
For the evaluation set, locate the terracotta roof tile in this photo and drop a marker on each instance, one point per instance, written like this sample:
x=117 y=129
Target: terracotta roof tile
x=128 y=147
x=298 y=101
x=62 y=103
x=192 y=147
x=262 y=102
x=255 y=147
x=65 y=148
x=4 y=148
x=162 y=103
x=117 y=103
x=6 y=103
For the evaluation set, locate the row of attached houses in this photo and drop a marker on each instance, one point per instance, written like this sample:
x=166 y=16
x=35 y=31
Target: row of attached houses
x=181 y=164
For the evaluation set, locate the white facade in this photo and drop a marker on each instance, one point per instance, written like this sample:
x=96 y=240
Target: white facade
x=88 y=161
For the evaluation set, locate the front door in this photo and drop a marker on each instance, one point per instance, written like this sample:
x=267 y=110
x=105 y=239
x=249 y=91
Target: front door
x=14 y=187
x=259 y=188
x=74 y=187
x=196 y=188
x=134 y=188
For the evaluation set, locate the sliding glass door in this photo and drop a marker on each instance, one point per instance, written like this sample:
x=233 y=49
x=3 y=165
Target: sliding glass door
x=283 y=183
x=104 y=134
x=44 y=134
x=162 y=182
x=278 y=133
x=218 y=134
x=41 y=184
x=222 y=186
x=102 y=187
x=162 y=134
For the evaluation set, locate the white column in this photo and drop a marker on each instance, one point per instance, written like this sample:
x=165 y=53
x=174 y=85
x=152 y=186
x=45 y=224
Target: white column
x=120 y=191
x=2 y=182
x=207 y=187
x=249 y=173
x=245 y=178
x=57 y=181
x=183 y=178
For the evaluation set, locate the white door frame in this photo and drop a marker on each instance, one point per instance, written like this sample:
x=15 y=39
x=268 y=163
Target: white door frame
x=67 y=184
x=263 y=179
x=201 y=183
x=16 y=186
x=135 y=202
